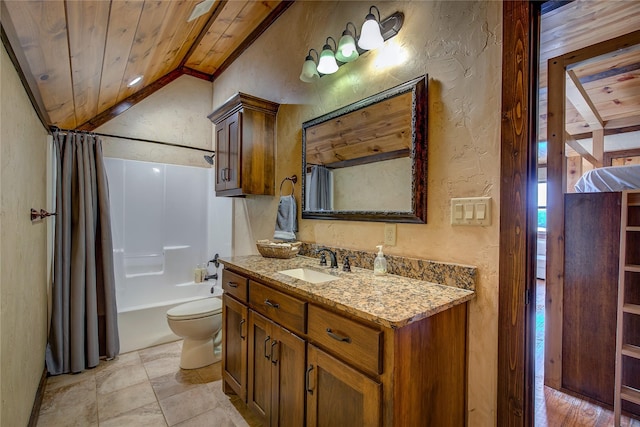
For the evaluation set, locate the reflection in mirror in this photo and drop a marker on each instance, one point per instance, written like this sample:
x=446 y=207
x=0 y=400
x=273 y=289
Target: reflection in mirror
x=368 y=160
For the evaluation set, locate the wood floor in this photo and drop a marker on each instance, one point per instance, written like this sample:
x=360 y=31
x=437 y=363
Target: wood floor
x=554 y=408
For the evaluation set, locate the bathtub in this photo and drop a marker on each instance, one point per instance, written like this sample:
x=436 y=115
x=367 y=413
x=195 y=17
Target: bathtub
x=145 y=325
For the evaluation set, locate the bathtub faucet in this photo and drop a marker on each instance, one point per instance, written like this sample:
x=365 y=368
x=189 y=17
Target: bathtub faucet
x=213 y=276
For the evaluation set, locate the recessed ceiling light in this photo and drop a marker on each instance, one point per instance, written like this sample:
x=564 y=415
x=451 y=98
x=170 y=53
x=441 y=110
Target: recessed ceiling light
x=201 y=9
x=135 y=81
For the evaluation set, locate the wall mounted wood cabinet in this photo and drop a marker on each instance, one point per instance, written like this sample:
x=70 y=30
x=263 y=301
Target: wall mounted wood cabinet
x=245 y=146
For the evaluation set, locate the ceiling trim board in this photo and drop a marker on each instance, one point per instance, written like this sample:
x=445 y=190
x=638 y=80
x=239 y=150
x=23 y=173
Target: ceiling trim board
x=129 y=102
x=195 y=73
x=270 y=19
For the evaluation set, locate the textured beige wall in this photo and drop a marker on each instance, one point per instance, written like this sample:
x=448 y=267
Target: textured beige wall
x=23 y=278
x=458 y=44
x=177 y=114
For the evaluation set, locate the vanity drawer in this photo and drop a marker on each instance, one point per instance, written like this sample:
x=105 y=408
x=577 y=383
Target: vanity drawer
x=235 y=284
x=359 y=345
x=284 y=309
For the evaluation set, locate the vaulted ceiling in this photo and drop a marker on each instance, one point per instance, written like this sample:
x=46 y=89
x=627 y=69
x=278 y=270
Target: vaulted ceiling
x=79 y=56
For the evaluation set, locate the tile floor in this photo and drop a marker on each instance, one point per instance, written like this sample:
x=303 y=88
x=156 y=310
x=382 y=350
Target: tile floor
x=143 y=388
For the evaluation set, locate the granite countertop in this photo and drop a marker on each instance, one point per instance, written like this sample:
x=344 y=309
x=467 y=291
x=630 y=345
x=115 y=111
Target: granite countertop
x=391 y=301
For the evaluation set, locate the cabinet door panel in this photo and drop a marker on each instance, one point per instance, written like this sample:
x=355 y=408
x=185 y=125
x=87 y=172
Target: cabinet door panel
x=260 y=347
x=234 y=125
x=234 y=346
x=222 y=156
x=338 y=395
x=288 y=361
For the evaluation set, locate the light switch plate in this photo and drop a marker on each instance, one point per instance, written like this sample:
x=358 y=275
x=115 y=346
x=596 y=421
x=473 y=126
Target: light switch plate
x=471 y=211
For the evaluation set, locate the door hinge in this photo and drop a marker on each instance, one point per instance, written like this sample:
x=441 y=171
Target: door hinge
x=527 y=296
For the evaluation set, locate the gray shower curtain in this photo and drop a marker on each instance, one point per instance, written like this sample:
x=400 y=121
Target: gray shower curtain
x=84 y=324
x=320 y=189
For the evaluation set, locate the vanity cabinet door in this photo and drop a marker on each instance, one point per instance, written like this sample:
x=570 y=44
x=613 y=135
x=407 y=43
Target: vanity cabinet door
x=338 y=395
x=276 y=373
x=234 y=346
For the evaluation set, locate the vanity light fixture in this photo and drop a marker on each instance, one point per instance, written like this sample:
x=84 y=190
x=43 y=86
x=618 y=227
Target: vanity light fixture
x=374 y=33
x=327 y=63
x=347 y=49
x=370 y=36
x=309 y=69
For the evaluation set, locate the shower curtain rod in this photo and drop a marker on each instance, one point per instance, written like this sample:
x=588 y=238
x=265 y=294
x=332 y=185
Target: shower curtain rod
x=57 y=129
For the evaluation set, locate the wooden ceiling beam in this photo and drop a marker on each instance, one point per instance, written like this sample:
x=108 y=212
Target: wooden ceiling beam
x=575 y=145
x=580 y=99
x=129 y=102
x=270 y=19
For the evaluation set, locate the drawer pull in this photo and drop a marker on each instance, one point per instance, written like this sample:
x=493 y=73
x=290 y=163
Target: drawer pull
x=266 y=356
x=242 y=322
x=271 y=303
x=309 y=389
x=274 y=359
x=232 y=284
x=338 y=337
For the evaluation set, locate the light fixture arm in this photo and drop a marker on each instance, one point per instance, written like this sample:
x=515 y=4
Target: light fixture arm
x=328 y=46
x=348 y=32
x=309 y=57
x=372 y=15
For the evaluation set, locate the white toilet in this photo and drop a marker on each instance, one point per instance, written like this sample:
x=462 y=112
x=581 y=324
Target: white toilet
x=200 y=324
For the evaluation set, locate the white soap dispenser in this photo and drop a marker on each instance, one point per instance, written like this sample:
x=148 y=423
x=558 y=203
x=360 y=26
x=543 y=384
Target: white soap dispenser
x=380 y=263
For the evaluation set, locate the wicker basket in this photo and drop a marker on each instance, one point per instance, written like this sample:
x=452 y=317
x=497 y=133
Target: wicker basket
x=270 y=249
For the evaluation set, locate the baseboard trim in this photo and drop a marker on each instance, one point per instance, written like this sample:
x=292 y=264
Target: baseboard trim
x=37 y=401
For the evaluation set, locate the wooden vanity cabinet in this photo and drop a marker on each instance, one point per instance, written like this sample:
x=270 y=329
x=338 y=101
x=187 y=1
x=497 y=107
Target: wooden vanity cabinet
x=276 y=373
x=313 y=365
x=245 y=146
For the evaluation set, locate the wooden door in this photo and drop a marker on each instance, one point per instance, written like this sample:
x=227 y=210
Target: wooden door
x=259 y=384
x=288 y=363
x=338 y=395
x=234 y=346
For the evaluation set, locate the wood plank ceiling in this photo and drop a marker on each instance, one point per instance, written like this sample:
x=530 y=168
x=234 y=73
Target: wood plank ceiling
x=602 y=93
x=79 y=56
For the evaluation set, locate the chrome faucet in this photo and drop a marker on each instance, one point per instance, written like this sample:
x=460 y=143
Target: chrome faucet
x=332 y=254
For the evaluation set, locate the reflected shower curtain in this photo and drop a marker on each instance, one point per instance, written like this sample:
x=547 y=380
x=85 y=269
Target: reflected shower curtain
x=84 y=324
x=320 y=189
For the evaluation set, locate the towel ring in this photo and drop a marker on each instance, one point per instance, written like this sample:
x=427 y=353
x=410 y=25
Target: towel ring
x=293 y=179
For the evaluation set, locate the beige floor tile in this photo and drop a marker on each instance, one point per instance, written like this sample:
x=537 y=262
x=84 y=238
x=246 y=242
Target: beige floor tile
x=188 y=404
x=175 y=383
x=161 y=351
x=70 y=405
x=210 y=373
x=68 y=379
x=217 y=417
x=235 y=408
x=112 y=380
x=149 y=415
x=121 y=401
x=162 y=366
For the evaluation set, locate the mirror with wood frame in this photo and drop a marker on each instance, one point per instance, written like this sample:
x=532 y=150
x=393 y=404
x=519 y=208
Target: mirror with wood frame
x=367 y=161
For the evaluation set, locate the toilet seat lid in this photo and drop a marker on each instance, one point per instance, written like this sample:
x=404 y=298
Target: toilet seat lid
x=195 y=309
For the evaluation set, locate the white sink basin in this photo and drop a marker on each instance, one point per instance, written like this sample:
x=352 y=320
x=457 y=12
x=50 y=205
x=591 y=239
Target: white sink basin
x=308 y=275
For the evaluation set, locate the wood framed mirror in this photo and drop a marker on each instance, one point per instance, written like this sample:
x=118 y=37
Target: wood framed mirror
x=367 y=161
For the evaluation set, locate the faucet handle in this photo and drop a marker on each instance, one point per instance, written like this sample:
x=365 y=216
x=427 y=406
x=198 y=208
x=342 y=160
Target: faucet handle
x=323 y=258
x=346 y=266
